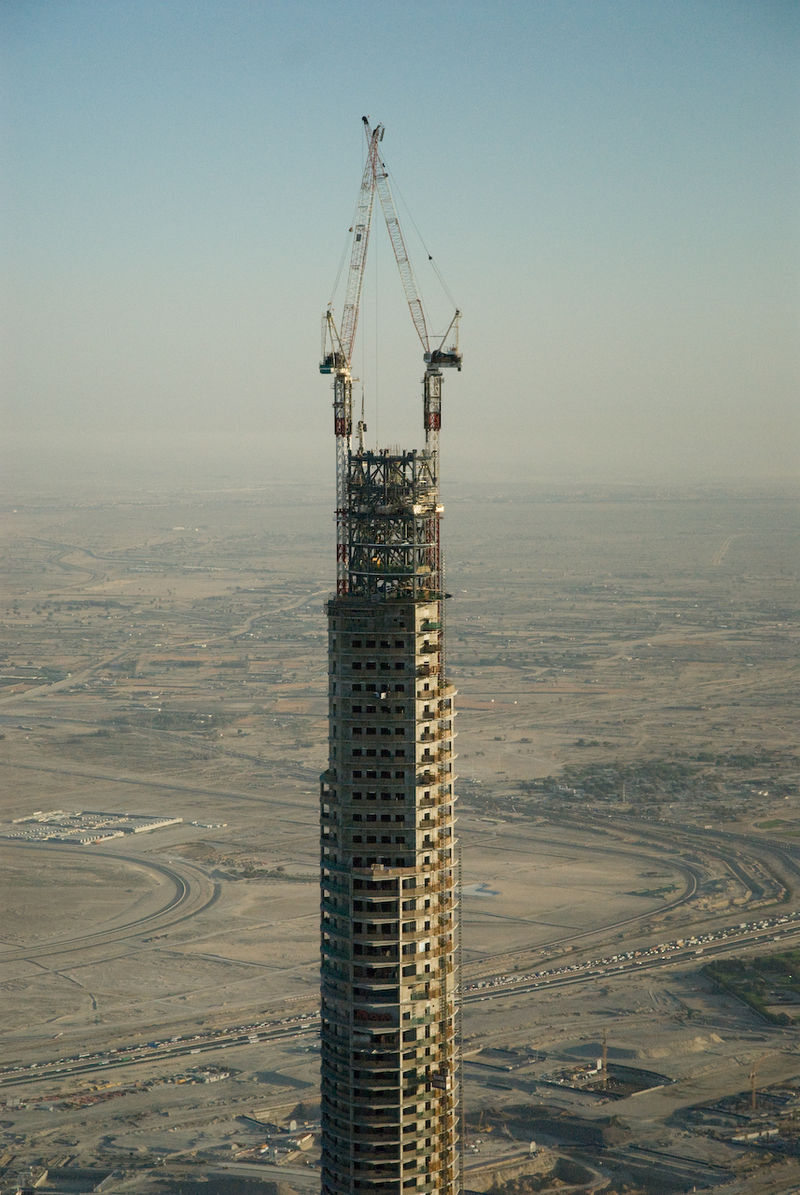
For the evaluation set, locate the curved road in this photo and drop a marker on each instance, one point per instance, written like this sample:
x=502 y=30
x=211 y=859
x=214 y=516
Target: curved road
x=192 y=893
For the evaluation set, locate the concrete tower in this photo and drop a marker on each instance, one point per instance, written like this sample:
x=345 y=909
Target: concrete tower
x=389 y=866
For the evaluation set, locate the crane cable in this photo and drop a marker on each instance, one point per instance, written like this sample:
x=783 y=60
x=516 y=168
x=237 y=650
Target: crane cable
x=341 y=265
x=415 y=226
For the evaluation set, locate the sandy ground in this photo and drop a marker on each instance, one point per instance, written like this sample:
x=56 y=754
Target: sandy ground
x=167 y=655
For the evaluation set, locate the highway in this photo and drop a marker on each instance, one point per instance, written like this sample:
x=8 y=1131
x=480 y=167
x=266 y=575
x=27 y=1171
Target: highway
x=157 y=1051
x=767 y=932
x=766 y=869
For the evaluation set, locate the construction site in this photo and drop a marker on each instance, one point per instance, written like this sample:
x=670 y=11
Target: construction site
x=604 y=1000
x=390 y=1073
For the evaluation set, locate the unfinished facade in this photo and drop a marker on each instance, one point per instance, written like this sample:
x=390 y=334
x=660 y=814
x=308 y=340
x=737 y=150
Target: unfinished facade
x=389 y=867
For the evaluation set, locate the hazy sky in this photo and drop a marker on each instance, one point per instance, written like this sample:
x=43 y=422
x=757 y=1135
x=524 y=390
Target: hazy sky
x=611 y=190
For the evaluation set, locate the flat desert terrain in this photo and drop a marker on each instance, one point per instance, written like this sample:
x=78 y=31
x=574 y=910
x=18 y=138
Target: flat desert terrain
x=627 y=667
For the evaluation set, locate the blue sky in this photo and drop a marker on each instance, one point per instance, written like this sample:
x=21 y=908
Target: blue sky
x=610 y=190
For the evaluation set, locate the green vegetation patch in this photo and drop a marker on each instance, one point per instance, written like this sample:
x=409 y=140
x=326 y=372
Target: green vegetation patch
x=655 y=893
x=160 y=718
x=761 y=982
x=779 y=823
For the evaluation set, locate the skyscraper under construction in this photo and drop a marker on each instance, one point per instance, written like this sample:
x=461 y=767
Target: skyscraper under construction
x=389 y=860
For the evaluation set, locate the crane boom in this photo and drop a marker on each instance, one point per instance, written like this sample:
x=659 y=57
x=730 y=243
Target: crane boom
x=401 y=255
x=438 y=356
x=337 y=349
x=358 y=255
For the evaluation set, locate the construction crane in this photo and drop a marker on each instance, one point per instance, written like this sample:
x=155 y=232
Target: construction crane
x=440 y=356
x=338 y=341
x=337 y=346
